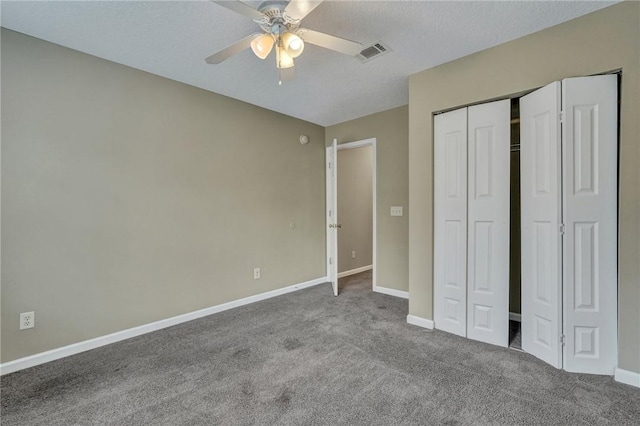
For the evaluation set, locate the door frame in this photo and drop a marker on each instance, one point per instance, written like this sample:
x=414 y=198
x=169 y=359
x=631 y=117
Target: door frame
x=374 y=255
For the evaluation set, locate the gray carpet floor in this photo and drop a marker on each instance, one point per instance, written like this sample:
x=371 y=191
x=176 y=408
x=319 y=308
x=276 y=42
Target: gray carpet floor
x=310 y=358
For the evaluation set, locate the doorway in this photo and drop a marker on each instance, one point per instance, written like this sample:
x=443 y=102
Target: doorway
x=351 y=212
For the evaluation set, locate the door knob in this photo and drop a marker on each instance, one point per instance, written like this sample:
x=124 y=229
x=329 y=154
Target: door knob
x=339 y=226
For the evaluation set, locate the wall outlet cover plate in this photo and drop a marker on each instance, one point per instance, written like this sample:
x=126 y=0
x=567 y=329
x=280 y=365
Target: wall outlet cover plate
x=396 y=210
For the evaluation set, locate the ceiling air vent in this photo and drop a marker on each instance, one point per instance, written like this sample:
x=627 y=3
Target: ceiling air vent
x=373 y=51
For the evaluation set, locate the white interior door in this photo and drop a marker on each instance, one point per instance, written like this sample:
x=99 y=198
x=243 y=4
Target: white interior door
x=590 y=156
x=332 y=213
x=450 y=222
x=488 y=221
x=541 y=242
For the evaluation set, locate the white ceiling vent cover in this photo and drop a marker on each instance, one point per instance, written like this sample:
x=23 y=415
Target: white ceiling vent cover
x=373 y=51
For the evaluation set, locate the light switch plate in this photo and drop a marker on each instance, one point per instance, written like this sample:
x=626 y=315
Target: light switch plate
x=396 y=210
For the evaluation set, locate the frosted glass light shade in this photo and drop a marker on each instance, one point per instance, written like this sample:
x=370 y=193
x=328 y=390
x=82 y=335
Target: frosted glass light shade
x=292 y=44
x=283 y=59
x=262 y=45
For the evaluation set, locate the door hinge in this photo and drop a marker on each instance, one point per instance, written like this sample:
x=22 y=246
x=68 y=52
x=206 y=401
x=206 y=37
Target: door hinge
x=561 y=229
x=561 y=116
x=329 y=213
x=329 y=164
x=330 y=261
x=562 y=340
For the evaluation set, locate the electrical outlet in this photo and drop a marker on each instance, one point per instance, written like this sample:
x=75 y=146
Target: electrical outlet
x=353 y=254
x=27 y=320
x=256 y=273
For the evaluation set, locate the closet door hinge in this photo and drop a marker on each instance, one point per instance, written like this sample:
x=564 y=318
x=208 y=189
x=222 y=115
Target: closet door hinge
x=562 y=340
x=561 y=229
x=330 y=261
x=561 y=116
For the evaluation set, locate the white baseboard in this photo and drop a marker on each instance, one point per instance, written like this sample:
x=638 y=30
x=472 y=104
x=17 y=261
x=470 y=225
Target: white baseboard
x=420 y=322
x=355 y=271
x=391 y=292
x=515 y=317
x=627 y=377
x=76 y=348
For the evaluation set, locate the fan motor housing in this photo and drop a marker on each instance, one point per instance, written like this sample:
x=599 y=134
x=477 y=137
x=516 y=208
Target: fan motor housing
x=269 y=6
x=276 y=20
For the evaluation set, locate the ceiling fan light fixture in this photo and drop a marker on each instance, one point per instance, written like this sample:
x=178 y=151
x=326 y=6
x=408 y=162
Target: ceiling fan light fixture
x=292 y=44
x=280 y=22
x=283 y=59
x=262 y=45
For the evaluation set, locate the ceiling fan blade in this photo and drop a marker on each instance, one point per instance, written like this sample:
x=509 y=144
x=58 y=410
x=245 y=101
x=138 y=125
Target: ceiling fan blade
x=327 y=41
x=241 y=8
x=286 y=74
x=228 y=52
x=298 y=9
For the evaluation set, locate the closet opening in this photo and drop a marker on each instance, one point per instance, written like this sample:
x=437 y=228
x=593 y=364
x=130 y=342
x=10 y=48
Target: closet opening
x=515 y=329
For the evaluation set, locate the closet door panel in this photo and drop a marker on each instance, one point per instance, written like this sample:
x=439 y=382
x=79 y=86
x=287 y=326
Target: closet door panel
x=488 y=222
x=590 y=158
x=540 y=197
x=450 y=221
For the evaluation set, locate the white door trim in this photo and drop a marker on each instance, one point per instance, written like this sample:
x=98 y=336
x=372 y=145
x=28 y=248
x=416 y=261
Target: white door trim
x=359 y=144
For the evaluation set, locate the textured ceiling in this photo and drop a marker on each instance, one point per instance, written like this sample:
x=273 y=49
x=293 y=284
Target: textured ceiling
x=172 y=38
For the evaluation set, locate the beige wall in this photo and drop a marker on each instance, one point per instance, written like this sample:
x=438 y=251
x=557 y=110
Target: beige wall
x=129 y=198
x=390 y=130
x=602 y=41
x=355 y=208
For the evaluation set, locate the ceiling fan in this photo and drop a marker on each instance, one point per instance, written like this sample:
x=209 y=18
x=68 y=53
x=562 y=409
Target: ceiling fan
x=280 y=24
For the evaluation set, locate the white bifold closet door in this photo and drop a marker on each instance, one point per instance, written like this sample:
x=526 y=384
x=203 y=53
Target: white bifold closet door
x=471 y=222
x=488 y=222
x=569 y=224
x=450 y=222
x=590 y=174
x=540 y=201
